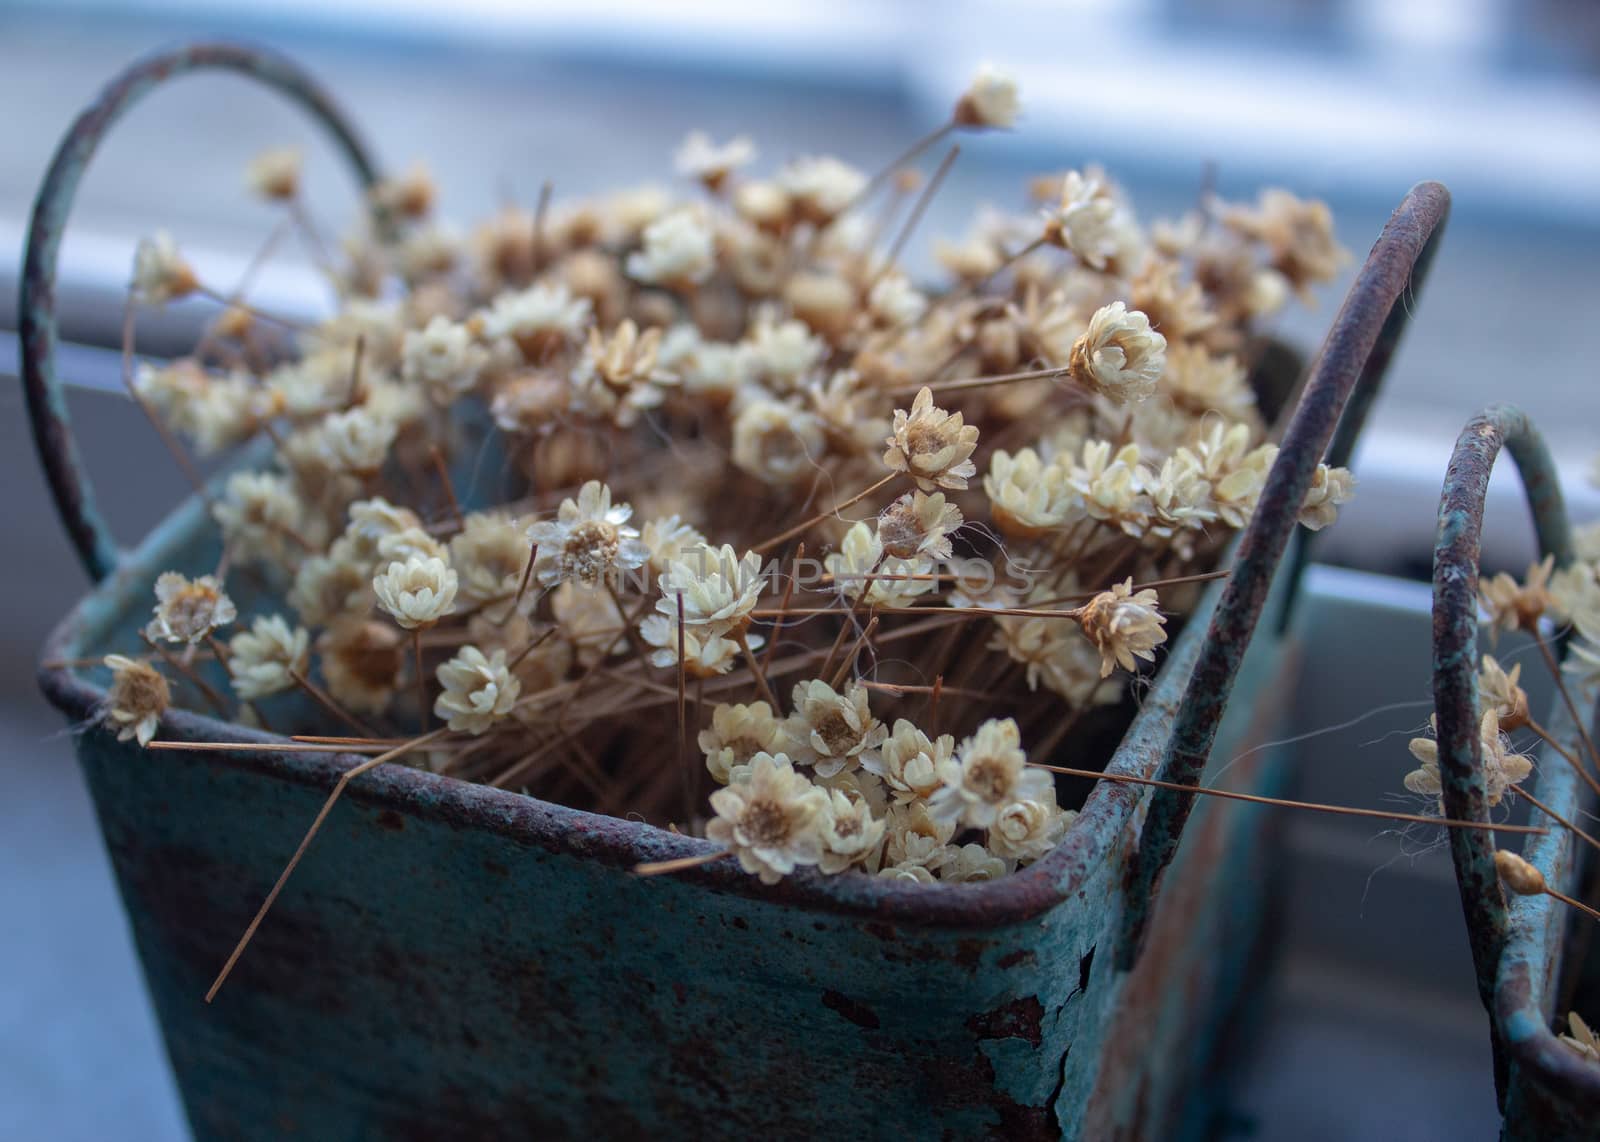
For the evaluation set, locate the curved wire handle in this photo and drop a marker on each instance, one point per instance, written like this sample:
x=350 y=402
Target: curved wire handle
x=1455 y=651
x=37 y=326
x=1353 y=359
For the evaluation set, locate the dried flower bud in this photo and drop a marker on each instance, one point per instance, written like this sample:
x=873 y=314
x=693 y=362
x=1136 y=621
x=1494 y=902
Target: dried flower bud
x=275 y=174
x=477 y=691
x=263 y=660
x=160 y=273
x=1499 y=691
x=1123 y=625
x=1519 y=876
x=136 y=699
x=1119 y=355
x=990 y=101
x=418 y=592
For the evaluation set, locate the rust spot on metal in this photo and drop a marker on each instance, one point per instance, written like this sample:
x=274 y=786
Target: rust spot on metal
x=1019 y=1019
x=854 y=1010
x=495 y=868
x=1017 y=958
x=394 y=822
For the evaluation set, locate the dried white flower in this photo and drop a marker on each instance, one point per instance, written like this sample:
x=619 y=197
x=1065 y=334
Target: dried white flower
x=860 y=566
x=160 y=273
x=769 y=820
x=1028 y=497
x=718 y=589
x=989 y=101
x=361 y=662
x=136 y=699
x=1024 y=831
x=832 y=731
x=1502 y=767
x=1119 y=355
x=737 y=734
x=1330 y=487
x=895 y=302
x=540 y=320
x=589 y=539
x=189 y=609
x=783 y=352
x=678 y=251
x=699 y=158
x=850 y=833
x=931 y=445
x=989 y=772
x=617 y=377
x=1499 y=691
x=909 y=762
x=275 y=174
x=489 y=554
x=820 y=188
x=1517 y=606
x=263 y=660
x=478 y=690
x=776 y=442
x=1084 y=221
x=1124 y=625
x=443 y=358
x=418 y=592
x=918 y=525
x=972 y=862
x=1581 y=1038
x=669 y=539
x=356 y=441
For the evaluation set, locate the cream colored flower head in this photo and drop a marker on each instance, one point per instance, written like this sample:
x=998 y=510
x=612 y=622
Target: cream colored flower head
x=971 y=863
x=357 y=441
x=444 y=358
x=679 y=251
x=327 y=587
x=418 y=592
x=931 y=445
x=1024 y=831
x=821 y=187
x=850 y=834
x=917 y=524
x=1581 y=1038
x=705 y=654
x=777 y=443
x=737 y=734
x=478 y=690
x=1330 y=487
x=668 y=539
x=1517 y=606
x=719 y=589
x=1498 y=690
x=540 y=320
x=275 y=174
x=259 y=514
x=160 y=273
x=361 y=662
x=189 y=609
x=264 y=660
x=1124 y=625
x=832 y=731
x=1083 y=222
x=990 y=100
x=782 y=353
x=770 y=820
x=1119 y=355
x=860 y=567
x=989 y=772
x=909 y=762
x=895 y=302
x=136 y=699
x=588 y=540
x=618 y=377
x=1503 y=768
x=1027 y=496
x=490 y=554
x=710 y=163
x=370 y=522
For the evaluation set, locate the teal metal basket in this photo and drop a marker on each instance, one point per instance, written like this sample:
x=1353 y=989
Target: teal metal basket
x=1521 y=945
x=460 y=962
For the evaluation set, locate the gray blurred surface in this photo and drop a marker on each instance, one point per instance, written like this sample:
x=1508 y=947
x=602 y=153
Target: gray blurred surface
x=1372 y=1031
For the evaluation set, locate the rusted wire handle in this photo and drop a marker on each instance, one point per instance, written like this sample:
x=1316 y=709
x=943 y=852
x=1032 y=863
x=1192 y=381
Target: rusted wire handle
x=47 y=407
x=1353 y=359
x=1455 y=650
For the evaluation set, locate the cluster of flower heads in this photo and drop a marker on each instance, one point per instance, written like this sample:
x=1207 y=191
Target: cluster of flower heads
x=692 y=390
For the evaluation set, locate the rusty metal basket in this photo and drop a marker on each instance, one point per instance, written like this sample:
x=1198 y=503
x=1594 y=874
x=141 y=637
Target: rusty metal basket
x=458 y=961
x=1521 y=945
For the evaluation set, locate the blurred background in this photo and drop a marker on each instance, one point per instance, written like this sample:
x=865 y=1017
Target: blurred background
x=1372 y=1028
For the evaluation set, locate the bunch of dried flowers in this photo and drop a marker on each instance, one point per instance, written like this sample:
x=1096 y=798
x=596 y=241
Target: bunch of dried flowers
x=862 y=536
